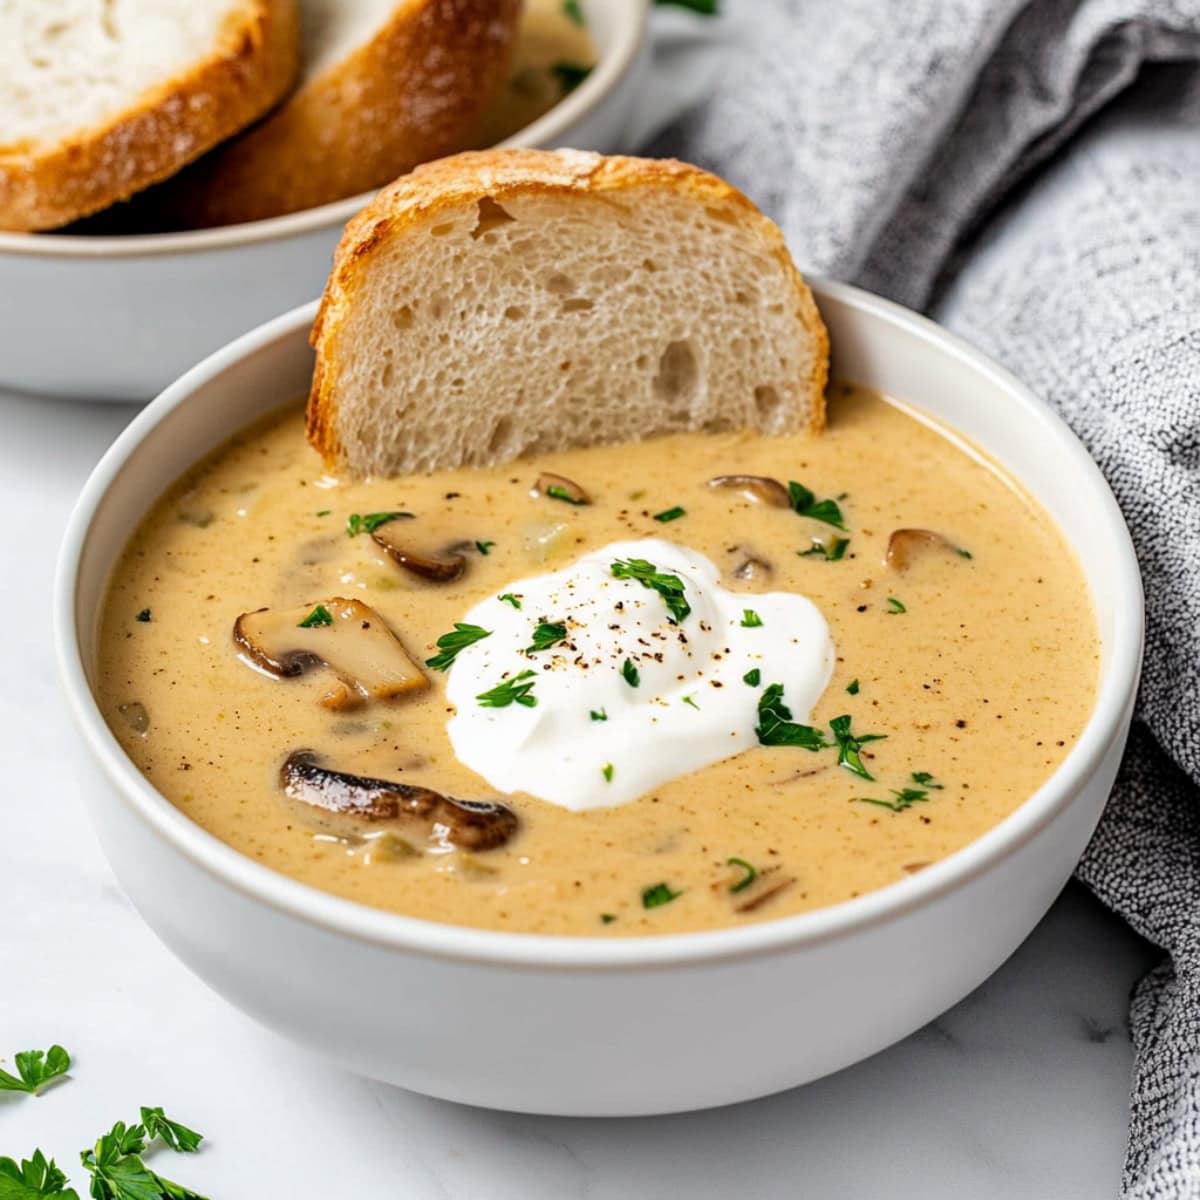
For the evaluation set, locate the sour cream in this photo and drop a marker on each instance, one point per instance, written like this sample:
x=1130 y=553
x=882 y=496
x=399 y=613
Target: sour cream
x=630 y=698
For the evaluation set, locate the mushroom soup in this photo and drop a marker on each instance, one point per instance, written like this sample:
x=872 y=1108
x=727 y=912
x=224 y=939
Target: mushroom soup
x=698 y=681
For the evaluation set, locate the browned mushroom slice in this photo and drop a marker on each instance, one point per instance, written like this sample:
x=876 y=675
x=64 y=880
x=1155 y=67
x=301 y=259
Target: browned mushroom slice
x=440 y=568
x=759 y=488
x=764 y=894
x=559 y=487
x=346 y=636
x=351 y=805
x=906 y=545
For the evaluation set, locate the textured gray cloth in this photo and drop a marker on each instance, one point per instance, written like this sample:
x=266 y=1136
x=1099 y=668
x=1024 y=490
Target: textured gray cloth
x=1029 y=170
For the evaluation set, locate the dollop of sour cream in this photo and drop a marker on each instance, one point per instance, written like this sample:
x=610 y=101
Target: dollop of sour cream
x=602 y=732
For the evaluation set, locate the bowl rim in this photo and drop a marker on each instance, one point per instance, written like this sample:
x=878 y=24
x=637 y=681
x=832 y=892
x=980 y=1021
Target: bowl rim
x=610 y=72
x=412 y=935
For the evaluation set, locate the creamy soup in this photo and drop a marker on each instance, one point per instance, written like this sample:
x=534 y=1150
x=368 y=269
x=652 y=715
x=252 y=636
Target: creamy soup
x=684 y=704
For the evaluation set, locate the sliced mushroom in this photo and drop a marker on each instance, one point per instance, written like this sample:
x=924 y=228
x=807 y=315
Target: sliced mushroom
x=356 y=804
x=905 y=545
x=759 y=488
x=441 y=568
x=753 y=569
x=765 y=894
x=559 y=487
x=356 y=645
x=914 y=867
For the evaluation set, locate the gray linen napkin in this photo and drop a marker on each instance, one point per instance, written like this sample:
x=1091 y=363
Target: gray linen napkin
x=1029 y=170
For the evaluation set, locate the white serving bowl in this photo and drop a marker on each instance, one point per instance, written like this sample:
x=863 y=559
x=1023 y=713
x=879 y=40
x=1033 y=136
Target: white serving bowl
x=118 y=318
x=582 y=1026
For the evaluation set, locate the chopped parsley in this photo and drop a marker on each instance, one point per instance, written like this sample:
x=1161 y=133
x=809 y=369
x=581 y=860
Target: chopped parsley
x=358 y=523
x=509 y=598
x=669 y=587
x=807 y=505
x=451 y=643
x=324 y=512
x=749 y=876
x=852 y=687
x=573 y=12
x=608 y=918
x=570 y=75
x=512 y=691
x=706 y=8
x=902 y=800
x=36 y=1068
x=670 y=514
x=115 y=1161
x=607 y=772
x=484 y=548
x=753 y=677
x=546 y=635
x=925 y=780
x=849 y=744
x=776 y=727
x=895 y=606
x=556 y=491
x=598 y=714
x=631 y=674
x=143 y=616
x=751 y=619
x=315 y=619
x=692 y=701
x=831 y=551
x=657 y=895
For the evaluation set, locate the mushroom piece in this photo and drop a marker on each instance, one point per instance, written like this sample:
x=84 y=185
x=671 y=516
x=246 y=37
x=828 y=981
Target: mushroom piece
x=559 y=487
x=440 y=568
x=752 y=568
x=348 y=637
x=905 y=545
x=763 y=895
x=351 y=805
x=759 y=488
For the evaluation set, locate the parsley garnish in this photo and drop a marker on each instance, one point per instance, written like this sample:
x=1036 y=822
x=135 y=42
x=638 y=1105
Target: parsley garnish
x=545 y=636
x=658 y=895
x=747 y=879
x=706 y=8
x=607 y=772
x=598 y=714
x=144 y=615
x=925 y=780
x=608 y=918
x=324 y=512
x=670 y=514
x=630 y=672
x=852 y=687
x=669 y=587
x=775 y=725
x=904 y=799
x=573 y=12
x=807 y=505
x=36 y=1068
x=179 y=1137
x=35 y=1177
x=451 y=643
x=692 y=701
x=751 y=619
x=832 y=551
x=895 y=606
x=556 y=491
x=753 y=677
x=849 y=745
x=318 y=617
x=115 y=1162
x=357 y=523
x=963 y=553
x=570 y=75
x=509 y=598
x=512 y=691
x=484 y=547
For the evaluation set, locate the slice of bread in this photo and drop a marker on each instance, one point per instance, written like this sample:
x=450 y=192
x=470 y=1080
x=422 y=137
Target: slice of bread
x=386 y=85
x=508 y=302
x=100 y=99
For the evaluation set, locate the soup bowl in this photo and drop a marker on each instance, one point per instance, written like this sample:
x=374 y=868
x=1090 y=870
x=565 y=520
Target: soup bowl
x=118 y=318
x=612 y=1026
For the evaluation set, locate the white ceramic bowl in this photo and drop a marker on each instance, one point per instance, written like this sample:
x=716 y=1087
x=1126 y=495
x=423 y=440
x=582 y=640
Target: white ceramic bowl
x=603 y=1026
x=118 y=318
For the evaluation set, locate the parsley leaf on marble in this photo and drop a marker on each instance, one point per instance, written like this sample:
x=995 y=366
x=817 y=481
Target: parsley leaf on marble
x=33 y=1177
x=35 y=1069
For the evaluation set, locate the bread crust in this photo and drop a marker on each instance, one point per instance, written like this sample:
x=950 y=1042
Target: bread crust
x=254 y=63
x=413 y=92
x=438 y=188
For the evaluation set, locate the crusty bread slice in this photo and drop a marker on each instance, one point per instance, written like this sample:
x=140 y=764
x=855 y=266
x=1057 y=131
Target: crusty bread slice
x=506 y=302
x=387 y=84
x=99 y=99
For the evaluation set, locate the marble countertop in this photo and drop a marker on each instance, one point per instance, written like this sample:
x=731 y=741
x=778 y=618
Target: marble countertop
x=1019 y=1091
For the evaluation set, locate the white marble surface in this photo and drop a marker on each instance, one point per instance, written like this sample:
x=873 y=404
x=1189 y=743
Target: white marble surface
x=1020 y=1091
